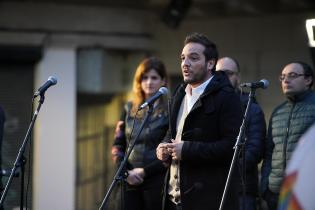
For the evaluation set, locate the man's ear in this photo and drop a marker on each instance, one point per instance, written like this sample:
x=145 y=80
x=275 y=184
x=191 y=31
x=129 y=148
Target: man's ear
x=210 y=64
x=308 y=80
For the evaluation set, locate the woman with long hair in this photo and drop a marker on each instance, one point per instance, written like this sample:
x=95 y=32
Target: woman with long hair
x=145 y=172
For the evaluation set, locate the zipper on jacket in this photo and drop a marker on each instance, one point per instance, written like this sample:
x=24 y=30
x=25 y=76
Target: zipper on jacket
x=284 y=156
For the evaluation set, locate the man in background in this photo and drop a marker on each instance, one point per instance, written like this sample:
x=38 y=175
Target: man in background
x=254 y=138
x=288 y=122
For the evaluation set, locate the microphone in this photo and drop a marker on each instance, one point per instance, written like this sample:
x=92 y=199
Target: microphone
x=162 y=91
x=50 y=82
x=259 y=84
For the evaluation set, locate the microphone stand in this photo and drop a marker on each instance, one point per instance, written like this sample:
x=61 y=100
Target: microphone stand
x=238 y=144
x=19 y=159
x=121 y=173
x=22 y=165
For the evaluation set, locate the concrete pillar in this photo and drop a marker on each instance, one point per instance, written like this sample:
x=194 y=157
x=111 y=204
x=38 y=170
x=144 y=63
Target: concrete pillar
x=55 y=132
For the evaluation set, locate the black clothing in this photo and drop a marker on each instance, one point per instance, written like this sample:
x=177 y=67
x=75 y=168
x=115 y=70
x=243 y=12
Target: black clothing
x=147 y=195
x=209 y=134
x=255 y=135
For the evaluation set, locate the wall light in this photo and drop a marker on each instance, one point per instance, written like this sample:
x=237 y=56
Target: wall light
x=310 y=29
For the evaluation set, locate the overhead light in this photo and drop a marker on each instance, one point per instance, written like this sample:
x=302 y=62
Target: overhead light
x=310 y=29
x=175 y=12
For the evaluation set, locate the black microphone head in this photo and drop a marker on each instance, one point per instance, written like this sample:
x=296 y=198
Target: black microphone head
x=265 y=83
x=53 y=80
x=163 y=90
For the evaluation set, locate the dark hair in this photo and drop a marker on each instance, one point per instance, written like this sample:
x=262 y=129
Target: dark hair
x=144 y=67
x=210 y=51
x=308 y=71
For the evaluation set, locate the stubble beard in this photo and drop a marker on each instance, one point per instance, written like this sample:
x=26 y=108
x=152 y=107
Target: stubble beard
x=197 y=78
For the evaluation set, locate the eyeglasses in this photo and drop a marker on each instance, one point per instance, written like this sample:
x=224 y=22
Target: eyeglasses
x=290 y=76
x=228 y=72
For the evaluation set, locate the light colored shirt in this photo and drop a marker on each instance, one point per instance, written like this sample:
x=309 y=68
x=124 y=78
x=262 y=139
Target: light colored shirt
x=193 y=94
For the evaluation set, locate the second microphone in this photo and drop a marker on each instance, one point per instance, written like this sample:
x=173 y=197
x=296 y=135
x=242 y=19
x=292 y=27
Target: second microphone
x=151 y=100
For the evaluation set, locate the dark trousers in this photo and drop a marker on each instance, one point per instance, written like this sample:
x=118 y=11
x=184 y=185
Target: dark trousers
x=271 y=199
x=248 y=202
x=172 y=206
x=139 y=198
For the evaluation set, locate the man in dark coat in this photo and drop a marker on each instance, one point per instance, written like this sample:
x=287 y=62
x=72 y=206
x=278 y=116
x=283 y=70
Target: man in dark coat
x=205 y=117
x=255 y=134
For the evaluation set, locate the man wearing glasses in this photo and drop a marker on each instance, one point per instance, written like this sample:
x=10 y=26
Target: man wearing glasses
x=288 y=122
x=255 y=137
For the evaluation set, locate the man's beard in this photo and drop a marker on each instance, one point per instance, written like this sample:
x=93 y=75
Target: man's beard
x=197 y=78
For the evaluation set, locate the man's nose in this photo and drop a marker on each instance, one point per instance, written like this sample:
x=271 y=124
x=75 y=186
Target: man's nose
x=286 y=79
x=185 y=62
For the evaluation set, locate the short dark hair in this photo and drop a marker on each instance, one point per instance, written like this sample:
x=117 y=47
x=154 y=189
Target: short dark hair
x=210 y=51
x=308 y=71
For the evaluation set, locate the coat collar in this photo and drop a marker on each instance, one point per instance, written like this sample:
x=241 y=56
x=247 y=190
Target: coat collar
x=299 y=97
x=219 y=81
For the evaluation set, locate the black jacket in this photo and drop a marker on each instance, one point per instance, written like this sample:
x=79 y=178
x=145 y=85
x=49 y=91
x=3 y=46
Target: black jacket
x=143 y=154
x=255 y=135
x=209 y=134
